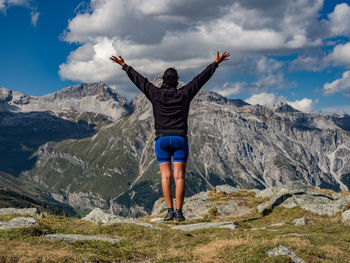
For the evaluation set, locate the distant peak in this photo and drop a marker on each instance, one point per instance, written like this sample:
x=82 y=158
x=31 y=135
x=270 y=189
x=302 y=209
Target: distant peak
x=212 y=96
x=99 y=89
x=284 y=107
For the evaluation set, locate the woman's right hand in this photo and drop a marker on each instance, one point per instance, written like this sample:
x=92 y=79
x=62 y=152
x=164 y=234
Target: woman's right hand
x=119 y=60
x=221 y=58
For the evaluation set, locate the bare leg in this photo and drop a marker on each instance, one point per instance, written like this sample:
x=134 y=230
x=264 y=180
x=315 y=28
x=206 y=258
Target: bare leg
x=179 y=175
x=166 y=174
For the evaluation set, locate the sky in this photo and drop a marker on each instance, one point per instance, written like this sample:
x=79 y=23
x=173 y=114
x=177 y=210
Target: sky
x=295 y=51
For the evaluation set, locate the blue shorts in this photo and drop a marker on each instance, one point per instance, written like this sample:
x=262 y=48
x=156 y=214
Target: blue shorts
x=168 y=146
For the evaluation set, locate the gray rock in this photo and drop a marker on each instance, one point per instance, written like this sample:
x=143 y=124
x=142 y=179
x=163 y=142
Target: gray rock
x=188 y=217
x=233 y=209
x=100 y=217
x=228 y=189
x=255 y=228
x=193 y=217
x=76 y=237
x=18 y=222
x=298 y=194
x=299 y=221
x=278 y=224
x=33 y=211
x=346 y=217
x=191 y=227
x=289 y=188
x=284 y=251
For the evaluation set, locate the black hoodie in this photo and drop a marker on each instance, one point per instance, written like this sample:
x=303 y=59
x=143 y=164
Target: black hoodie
x=171 y=105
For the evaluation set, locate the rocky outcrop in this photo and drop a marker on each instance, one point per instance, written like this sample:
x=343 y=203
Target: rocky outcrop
x=198 y=205
x=305 y=196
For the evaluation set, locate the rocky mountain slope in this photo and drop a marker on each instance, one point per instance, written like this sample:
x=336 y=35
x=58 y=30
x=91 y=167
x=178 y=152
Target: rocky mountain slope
x=112 y=165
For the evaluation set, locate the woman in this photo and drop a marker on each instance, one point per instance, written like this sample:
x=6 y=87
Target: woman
x=170 y=111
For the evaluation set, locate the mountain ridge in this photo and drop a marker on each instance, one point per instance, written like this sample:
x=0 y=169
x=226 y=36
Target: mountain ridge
x=231 y=142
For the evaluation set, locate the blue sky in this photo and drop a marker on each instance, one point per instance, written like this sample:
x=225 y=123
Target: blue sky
x=297 y=51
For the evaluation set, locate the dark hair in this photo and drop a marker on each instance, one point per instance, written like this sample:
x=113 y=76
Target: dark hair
x=170 y=78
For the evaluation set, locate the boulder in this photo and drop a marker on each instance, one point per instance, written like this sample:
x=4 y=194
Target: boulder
x=228 y=189
x=346 y=217
x=18 y=222
x=284 y=251
x=300 y=221
x=100 y=217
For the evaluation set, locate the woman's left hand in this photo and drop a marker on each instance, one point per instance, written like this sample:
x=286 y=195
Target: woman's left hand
x=221 y=58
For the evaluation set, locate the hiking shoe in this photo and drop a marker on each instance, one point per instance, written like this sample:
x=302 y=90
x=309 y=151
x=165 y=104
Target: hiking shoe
x=179 y=216
x=169 y=216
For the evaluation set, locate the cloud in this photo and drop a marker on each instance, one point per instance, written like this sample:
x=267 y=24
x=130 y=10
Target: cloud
x=304 y=105
x=269 y=99
x=153 y=35
x=342 y=109
x=339 y=20
x=338 y=85
x=34 y=17
x=264 y=98
x=5 y=4
x=308 y=63
x=229 y=89
x=340 y=55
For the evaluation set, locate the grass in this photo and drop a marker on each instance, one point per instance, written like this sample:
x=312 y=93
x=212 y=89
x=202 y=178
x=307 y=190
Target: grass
x=325 y=239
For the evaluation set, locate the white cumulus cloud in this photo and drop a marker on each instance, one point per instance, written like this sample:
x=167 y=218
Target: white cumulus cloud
x=338 y=85
x=264 y=98
x=304 y=105
x=269 y=99
x=340 y=20
x=340 y=55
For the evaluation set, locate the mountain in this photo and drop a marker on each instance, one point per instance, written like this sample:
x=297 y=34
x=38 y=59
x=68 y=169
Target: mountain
x=109 y=162
x=96 y=98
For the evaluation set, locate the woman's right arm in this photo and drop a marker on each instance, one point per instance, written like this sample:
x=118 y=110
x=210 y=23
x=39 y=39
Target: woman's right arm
x=140 y=81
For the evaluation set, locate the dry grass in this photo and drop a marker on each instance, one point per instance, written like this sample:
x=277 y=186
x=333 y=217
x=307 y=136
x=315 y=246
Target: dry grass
x=25 y=252
x=333 y=251
x=213 y=251
x=289 y=242
x=323 y=191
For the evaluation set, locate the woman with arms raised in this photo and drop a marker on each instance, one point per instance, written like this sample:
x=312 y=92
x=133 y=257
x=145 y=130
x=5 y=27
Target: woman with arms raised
x=170 y=110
